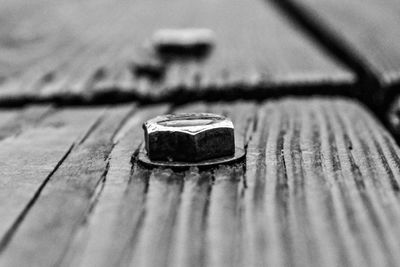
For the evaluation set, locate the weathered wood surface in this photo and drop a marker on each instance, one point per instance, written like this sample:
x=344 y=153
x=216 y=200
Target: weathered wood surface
x=320 y=187
x=369 y=28
x=34 y=144
x=366 y=34
x=74 y=51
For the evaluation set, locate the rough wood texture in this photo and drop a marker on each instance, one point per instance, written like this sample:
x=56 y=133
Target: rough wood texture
x=320 y=187
x=369 y=28
x=66 y=196
x=366 y=34
x=74 y=51
x=29 y=158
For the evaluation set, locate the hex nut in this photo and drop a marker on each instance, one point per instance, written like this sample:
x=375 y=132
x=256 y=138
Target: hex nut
x=189 y=137
x=183 y=42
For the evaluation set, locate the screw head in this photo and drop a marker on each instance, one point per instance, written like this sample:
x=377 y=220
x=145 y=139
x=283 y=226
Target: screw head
x=189 y=137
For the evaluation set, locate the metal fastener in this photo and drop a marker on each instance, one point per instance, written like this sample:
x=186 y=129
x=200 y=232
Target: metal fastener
x=189 y=139
x=183 y=42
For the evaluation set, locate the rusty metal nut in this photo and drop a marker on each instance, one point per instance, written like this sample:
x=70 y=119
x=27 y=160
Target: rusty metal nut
x=189 y=137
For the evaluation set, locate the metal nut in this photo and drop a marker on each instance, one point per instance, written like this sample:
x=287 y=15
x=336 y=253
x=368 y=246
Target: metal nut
x=189 y=41
x=189 y=137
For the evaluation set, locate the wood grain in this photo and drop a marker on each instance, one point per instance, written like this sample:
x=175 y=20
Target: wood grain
x=319 y=187
x=29 y=157
x=369 y=28
x=121 y=202
x=65 y=197
x=365 y=34
x=86 y=51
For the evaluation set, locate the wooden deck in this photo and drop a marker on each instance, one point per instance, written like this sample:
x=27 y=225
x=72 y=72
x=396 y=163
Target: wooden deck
x=319 y=188
x=311 y=87
x=365 y=34
x=258 y=57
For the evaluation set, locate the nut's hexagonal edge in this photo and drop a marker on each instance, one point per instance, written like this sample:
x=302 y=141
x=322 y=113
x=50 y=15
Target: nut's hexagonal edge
x=144 y=160
x=154 y=124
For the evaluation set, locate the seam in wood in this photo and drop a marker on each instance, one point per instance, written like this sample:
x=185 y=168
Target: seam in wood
x=92 y=128
x=180 y=95
x=122 y=123
x=249 y=125
x=367 y=81
x=101 y=183
x=393 y=182
x=14 y=227
x=281 y=192
x=364 y=194
x=176 y=214
x=93 y=201
x=359 y=182
x=9 y=234
x=99 y=189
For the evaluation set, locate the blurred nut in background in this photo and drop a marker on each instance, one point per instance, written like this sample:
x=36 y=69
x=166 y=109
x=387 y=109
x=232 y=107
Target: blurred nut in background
x=183 y=42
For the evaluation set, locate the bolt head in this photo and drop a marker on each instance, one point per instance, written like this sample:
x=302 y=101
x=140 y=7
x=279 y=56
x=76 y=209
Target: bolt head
x=189 y=137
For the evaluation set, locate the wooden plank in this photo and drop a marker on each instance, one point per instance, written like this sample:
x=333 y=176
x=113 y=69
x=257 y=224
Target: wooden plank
x=87 y=55
x=366 y=35
x=123 y=205
x=320 y=188
x=250 y=53
x=27 y=159
x=66 y=197
x=38 y=54
x=369 y=29
x=304 y=203
x=121 y=202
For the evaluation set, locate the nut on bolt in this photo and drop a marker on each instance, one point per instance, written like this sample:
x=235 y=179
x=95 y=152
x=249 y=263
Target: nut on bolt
x=189 y=137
